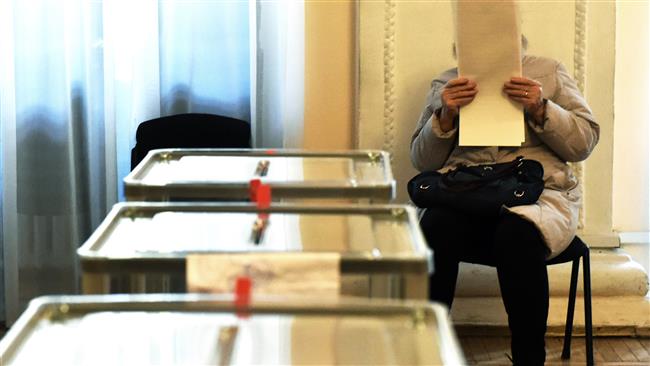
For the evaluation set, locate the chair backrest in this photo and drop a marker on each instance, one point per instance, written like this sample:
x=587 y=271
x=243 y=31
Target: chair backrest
x=190 y=130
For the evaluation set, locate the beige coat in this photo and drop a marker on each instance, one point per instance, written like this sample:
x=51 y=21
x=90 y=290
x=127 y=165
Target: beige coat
x=568 y=134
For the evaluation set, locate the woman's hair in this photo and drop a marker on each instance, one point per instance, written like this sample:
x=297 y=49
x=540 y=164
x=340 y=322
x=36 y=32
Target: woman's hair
x=524 y=45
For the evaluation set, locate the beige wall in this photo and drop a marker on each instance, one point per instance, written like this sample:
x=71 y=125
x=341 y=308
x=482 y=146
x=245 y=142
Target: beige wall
x=329 y=74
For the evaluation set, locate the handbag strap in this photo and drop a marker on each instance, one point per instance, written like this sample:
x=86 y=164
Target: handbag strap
x=503 y=170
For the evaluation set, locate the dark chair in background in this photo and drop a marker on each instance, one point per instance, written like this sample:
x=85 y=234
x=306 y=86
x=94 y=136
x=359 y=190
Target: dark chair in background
x=190 y=130
x=576 y=250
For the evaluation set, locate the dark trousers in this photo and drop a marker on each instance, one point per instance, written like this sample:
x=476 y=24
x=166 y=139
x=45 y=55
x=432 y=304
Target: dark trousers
x=511 y=244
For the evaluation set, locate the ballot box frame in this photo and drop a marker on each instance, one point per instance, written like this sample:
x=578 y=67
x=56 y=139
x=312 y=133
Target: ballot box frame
x=421 y=314
x=137 y=190
x=388 y=276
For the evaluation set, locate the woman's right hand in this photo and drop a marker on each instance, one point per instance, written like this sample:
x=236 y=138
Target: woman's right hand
x=455 y=94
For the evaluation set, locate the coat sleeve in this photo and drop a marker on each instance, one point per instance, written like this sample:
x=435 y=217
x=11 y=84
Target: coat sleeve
x=430 y=146
x=569 y=128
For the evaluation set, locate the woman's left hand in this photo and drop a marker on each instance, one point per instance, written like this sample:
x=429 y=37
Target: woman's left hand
x=527 y=92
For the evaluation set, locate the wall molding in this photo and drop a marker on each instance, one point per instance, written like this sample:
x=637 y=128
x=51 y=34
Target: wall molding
x=389 y=77
x=579 y=66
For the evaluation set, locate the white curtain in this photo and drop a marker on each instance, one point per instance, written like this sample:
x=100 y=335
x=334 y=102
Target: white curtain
x=78 y=76
x=278 y=94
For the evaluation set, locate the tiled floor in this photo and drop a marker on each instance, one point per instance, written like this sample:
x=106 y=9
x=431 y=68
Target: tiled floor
x=607 y=351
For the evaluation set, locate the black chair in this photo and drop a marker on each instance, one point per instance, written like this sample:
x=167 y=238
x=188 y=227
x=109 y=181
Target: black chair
x=190 y=130
x=576 y=250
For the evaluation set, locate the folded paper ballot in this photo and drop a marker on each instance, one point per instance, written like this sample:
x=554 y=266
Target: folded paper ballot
x=316 y=274
x=488 y=46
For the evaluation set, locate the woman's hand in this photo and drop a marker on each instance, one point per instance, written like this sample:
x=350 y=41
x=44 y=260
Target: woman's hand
x=528 y=93
x=455 y=94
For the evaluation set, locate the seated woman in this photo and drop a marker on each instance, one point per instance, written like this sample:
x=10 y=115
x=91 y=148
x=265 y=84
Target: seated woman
x=560 y=128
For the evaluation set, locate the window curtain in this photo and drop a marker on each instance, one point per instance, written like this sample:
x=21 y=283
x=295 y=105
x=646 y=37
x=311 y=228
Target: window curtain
x=76 y=79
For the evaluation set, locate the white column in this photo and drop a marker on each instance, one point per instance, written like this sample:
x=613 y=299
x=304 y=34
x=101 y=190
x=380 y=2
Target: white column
x=599 y=91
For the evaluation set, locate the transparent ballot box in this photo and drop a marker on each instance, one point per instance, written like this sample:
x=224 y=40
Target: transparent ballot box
x=142 y=247
x=209 y=330
x=223 y=174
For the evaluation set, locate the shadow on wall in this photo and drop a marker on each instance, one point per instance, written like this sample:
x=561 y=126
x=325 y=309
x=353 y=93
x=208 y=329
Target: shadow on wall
x=181 y=99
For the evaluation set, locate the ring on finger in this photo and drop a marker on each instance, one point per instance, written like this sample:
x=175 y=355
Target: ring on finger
x=525 y=93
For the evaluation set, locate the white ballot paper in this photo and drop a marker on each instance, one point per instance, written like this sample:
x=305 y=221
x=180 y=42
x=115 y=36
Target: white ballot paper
x=488 y=46
x=316 y=274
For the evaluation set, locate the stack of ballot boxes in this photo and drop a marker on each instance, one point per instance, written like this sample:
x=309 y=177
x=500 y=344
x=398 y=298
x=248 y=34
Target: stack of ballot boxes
x=187 y=203
x=251 y=257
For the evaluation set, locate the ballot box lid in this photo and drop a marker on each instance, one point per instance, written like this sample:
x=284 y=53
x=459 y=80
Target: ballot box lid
x=368 y=238
x=211 y=329
x=225 y=174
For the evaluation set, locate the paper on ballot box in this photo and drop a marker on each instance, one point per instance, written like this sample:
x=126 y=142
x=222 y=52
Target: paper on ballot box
x=488 y=46
x=316 y=274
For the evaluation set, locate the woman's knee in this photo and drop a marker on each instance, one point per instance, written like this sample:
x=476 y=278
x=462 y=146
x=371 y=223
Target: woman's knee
x=439 y=226
x=518 y=238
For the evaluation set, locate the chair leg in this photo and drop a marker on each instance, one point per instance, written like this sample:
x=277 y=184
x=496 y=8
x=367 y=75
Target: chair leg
x=566 y=349
x=587 y=298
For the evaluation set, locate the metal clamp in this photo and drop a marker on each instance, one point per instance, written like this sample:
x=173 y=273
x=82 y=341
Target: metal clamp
x=262 y=168
x=259 y=227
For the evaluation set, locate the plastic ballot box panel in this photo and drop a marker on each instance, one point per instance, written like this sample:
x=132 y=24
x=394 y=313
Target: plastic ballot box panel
x=221 y=174
x=142 y=247
x=211 y=330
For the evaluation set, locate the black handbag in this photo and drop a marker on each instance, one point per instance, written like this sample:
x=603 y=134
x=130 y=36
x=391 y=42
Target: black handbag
x=480 y=189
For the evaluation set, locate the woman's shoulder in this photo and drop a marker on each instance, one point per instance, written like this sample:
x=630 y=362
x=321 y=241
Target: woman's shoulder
x=537 y=66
